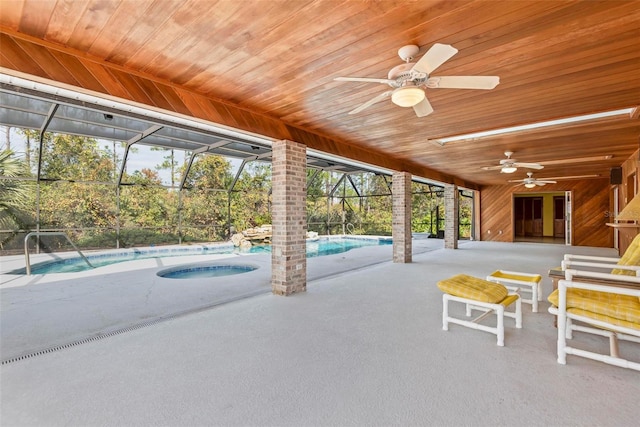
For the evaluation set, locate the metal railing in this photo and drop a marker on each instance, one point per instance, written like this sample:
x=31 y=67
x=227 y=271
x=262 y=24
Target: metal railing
x=48 y=233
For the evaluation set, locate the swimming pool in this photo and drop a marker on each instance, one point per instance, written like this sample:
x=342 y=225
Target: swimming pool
x=320 y=247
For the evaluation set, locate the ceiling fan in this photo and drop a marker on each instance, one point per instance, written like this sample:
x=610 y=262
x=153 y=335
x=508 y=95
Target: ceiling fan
x=531 y=182
x=510 y=165
x=409 y=80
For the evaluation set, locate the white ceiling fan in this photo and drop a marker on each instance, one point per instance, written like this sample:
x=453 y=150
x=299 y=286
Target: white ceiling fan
x=531 y=182
x=510 y=165
x=409 y=80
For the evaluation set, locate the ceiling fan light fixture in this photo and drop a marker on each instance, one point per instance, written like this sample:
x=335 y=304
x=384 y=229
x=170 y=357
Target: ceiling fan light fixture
x=509 y=169
x=530 y=185
x=407 y=96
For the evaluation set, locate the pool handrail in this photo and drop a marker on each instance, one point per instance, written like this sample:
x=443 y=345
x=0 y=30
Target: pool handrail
x=48 y=233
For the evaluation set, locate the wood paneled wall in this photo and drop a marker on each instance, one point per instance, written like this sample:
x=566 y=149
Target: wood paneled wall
x=626 y=191
x=590 y=207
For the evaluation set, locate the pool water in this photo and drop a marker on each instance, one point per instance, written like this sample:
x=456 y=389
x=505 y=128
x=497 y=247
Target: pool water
x=321 y=247
x=327 y=246
x=205 y=271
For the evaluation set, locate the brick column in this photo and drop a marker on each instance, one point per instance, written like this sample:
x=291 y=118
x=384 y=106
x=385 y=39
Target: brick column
x=289 y=218
x=401 y=221
x=451 y=216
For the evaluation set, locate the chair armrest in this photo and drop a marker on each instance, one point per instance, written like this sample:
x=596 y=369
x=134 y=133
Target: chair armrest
x=567 y=264
x=601 y=259
x=573 y=276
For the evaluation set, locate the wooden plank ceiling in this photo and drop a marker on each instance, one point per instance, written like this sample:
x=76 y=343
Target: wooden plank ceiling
x=268 y=67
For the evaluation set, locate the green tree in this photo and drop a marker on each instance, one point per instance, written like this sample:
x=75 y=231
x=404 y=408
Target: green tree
x=317 y=200
x=424 y=202
x=169 y=163
x=211 y=172
x=69 y=164
x=377 y=206
x=143 y=202
x=465 y=217
x=14 y=193
x=205 y=198
x=251 y=201
x=77 y=158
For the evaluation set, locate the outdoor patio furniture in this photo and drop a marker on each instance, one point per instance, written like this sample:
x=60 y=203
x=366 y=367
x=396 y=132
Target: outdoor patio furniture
x=628 y=263
x=604 y=304
x=478 y=294
x=528 y=282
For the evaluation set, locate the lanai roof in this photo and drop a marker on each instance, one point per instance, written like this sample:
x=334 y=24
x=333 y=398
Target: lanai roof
x=269 y=68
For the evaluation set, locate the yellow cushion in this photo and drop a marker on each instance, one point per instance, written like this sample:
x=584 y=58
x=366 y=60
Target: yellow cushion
x=509 y=299
x=601 y=305
x=470 y=287
x=499 y=274
x=603 y=318
x=630 y=257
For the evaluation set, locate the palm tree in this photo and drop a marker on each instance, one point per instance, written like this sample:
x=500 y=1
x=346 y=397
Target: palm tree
x=13 y=193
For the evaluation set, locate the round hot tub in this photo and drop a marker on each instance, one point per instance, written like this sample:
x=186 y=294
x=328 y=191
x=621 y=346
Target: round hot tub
x=205 y=271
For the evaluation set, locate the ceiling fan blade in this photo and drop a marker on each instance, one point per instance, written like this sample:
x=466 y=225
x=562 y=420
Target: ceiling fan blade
x=364 y=79
x=463 y=82
x=435 y=57
x=371 y=102
x=423 y=108
x=545 y=182
x=517 y=180
x=528 y=165
x=493 y=168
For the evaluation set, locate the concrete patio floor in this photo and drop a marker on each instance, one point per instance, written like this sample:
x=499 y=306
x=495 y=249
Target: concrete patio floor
x=363 y=346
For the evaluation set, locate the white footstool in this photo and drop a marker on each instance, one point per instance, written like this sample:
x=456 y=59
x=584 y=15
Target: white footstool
x=529 y=282
x=478 y=294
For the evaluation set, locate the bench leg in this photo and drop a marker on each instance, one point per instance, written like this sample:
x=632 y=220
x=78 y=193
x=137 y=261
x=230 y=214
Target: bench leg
x=562 y=337
x=519 y=313
x=500 y=327
x=445 y=312
x=539 y=286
